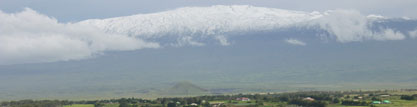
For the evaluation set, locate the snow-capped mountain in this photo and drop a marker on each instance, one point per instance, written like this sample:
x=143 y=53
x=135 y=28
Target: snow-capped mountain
x=194 y=23
x=187 y=26
x=235 y=46
x=203 y=21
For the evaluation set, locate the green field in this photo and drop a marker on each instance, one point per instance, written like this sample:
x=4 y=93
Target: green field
x=395 y=103
x=394 y=98
x=91 y=105
x=80 y=105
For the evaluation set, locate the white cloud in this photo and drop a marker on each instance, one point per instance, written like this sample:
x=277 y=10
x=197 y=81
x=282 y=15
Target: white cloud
x=375 y=17
x=295 y=42
x=413 y=34
x=351 y=26
x=30 y=37
x=187 y=40
x=389 y=34
x=223 y=41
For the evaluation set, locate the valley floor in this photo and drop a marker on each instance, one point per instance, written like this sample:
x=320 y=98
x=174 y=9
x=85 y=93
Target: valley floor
x=358 y=98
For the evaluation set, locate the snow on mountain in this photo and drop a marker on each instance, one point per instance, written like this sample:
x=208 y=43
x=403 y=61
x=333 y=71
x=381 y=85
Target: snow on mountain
x=201 y=22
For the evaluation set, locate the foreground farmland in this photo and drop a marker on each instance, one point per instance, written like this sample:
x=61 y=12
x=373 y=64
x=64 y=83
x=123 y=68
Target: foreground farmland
x=381 y=98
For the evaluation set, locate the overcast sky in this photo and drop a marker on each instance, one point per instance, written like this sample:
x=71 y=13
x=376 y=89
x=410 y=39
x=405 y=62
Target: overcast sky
x=76 y=10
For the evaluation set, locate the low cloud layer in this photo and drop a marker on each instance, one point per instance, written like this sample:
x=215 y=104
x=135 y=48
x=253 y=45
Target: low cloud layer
x=30 y=37
x=351 y=26
x=413 y=34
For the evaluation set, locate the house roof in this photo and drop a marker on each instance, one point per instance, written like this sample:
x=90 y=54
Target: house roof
x=376 y=102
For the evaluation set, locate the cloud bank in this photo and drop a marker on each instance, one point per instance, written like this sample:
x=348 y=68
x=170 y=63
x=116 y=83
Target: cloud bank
x=30 y=37
x=351 y=26
x=413 y=34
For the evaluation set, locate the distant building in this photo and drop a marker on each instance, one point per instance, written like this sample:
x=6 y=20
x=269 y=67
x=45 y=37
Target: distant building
x=385 y=95
x=216 y=104
x=242 y=99
x=376 y=102
x=308 y=99
x=263 y=93
x=381 y=102
x=194 y=104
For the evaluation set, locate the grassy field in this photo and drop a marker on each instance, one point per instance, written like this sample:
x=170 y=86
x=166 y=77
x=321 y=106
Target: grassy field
x=399 y=103
x=396 y=102
x=80 y=105
x=91 y=105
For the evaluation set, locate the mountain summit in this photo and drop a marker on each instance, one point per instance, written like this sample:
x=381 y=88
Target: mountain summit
x=186 y=88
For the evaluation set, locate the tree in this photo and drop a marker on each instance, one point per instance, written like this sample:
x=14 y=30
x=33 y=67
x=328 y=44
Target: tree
x=206 y=104
x=284 y=98
x=172 y=104
x=354 y=103
x=356 y=97
x=371 y=94
x=375 y=99
x=223 y=105
x=259 y=103
x=407 y=97
x=98 y=104
x=336 y=100
x=317 y=104
x=123 y=103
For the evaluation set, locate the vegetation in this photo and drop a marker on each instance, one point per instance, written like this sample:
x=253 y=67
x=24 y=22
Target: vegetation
x=384 y=98
x=409 y=97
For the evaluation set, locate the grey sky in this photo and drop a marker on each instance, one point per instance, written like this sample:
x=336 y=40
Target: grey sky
x=76 y=10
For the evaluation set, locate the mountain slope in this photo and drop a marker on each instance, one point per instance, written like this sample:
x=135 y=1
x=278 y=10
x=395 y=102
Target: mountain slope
x=185 y=88
x=197 y=25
